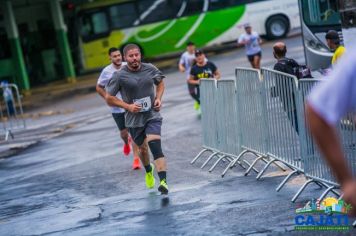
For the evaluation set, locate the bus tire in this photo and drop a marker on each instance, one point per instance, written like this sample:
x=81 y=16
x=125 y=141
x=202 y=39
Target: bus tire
x=277 y=27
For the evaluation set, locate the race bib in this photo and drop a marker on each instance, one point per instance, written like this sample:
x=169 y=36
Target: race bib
x=144 y=102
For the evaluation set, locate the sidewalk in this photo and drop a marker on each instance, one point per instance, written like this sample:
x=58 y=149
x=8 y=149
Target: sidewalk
x=46 y=94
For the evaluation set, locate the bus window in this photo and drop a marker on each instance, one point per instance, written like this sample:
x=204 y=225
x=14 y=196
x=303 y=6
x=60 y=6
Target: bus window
x=320 y=12
x=218 y=4
x=123 y=15
x=193 y=7
x=152 y=10
x=94 y=25
x=5 y=51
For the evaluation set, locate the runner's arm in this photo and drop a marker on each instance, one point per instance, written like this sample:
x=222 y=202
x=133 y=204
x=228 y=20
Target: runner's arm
x=159 y=94
x=217 y=74
x=100 y=90
x=159 y=90
x=114 y=101
x=181 y=67
x=192 y=81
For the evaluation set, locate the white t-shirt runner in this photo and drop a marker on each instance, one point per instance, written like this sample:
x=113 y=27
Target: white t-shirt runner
x=336 y=97
x=104 y=79
x=253 y=46
x=187 y=60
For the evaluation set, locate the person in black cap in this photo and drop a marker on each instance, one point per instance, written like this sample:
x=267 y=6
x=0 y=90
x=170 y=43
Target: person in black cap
x=203 y=69
x=333 y=41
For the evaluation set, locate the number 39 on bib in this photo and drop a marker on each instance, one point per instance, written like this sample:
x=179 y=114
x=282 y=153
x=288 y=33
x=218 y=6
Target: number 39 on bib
x=144 y=102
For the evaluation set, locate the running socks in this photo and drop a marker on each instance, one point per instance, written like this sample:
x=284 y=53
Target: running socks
x=148 y=168
x=162 y=175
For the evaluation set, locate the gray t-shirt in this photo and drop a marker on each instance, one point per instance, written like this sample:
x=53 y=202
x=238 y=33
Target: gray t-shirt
x=137 y=87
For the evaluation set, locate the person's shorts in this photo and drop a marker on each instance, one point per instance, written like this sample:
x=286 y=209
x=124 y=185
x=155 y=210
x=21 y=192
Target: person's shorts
x=250 y=57
x=119 y=120
x=151 y=127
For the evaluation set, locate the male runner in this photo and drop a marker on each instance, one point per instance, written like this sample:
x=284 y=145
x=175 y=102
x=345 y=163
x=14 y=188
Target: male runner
x=251 y=40
x=186 y=62
x=137 y=82
x=117 y=113
x=203 y=69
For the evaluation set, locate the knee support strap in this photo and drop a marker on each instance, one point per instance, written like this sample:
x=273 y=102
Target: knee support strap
x=156 y=149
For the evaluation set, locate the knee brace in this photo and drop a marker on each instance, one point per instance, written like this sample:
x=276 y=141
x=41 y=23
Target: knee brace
x=156 y=149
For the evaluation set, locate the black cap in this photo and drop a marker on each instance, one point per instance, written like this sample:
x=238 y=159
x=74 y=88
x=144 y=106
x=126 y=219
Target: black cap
x=332 y=34
x=190 y=43
x=198 y=52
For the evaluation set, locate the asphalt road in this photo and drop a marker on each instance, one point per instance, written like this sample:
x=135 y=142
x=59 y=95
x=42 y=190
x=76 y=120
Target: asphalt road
x=79 y=183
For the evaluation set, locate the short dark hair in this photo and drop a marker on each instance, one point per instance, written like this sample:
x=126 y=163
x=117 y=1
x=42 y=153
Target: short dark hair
x=333 y=36
x=190 y=43
x=280 y=51
x=113 y=49
x=129 y=47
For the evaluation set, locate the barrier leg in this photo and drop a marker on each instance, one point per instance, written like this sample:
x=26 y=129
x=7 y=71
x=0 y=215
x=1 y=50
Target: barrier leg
x=215 y=164
x=265 y=168
x=301 y=189
x=322 y=196
x=335 y=192
x=354 y=224
x=321 y=185
x=248 y=164
x=233 y=163
x=280 y=186
x=280 y=167
x=209 y=158
x=253 y=164
x=199 y=154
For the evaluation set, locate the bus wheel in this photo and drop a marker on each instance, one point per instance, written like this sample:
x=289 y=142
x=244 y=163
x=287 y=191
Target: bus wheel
x=277 y=27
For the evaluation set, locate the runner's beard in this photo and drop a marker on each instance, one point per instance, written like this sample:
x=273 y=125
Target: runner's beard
x=135 y=64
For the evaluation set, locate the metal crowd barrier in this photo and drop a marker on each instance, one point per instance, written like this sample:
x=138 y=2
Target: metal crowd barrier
x=280 y=96
x=227 y=123
x=219 y=139
x=252 y=117
x=11 y=112
x=265 y=116
x=208 y=118
x=316 y=169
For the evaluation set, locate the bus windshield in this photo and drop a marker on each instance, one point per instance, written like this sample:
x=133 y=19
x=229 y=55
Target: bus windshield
x=320 y=12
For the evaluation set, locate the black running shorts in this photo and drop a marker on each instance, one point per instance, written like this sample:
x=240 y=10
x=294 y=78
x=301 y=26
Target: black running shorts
x=151 y=127
x=119 y=120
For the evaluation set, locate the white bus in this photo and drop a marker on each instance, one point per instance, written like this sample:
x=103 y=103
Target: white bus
x=162 y=27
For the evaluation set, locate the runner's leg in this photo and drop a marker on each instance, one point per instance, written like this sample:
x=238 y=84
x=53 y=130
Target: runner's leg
x=136 y=152
x=120 y=122
x=193 y=92
x=257 y=61
x=153 y=132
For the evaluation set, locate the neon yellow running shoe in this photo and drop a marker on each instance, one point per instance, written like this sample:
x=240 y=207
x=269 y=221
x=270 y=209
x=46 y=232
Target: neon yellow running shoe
x=150 y=179
x=196 y=105
x=163 y=187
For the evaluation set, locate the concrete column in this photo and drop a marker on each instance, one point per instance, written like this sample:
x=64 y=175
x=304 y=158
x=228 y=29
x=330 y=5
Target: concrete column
x=16 y=50
x=62 y=39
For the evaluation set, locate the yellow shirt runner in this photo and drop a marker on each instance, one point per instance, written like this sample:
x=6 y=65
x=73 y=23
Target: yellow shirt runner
x=338 y=53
